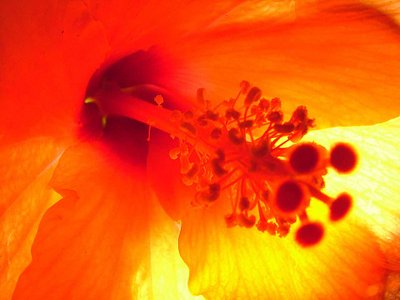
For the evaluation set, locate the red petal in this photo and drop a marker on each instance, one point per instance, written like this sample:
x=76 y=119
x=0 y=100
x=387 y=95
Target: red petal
x=341 y=61
x=49 y=52
x=25 y=170
x=93 y=243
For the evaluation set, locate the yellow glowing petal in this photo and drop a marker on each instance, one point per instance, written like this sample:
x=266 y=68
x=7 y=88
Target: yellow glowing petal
x=374 y=183
x=237 y=263
x=169 y=274
x=26 y=169
x=99 y=242
x=243 y=263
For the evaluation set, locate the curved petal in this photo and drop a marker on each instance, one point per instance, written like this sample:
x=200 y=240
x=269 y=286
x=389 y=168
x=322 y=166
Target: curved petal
x=377 y=170
x=227 y=263
x=241 y=262
x=134 y=25
x=43 y=78
x=374 y=182
x=25 y=170
x=341 y=61
x=165 y=258
x=93 y=244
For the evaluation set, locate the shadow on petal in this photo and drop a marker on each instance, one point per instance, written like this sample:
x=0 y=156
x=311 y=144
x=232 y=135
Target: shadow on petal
x=93 y=244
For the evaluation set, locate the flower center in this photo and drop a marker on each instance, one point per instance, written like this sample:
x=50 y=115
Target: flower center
x=243 y=151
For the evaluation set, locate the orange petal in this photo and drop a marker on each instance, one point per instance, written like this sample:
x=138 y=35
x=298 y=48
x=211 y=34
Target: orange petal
x=94 y=242
x=237 y=263
x=133 y=25
x=49 y=52
x=165 y=258
x=25 y=170
x=341 y=61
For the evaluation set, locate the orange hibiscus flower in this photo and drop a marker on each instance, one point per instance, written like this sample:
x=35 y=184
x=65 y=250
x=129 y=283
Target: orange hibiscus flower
x=78 y=217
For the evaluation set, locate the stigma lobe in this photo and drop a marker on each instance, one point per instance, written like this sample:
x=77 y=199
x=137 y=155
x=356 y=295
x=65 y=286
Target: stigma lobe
x=290 y=198
x=310 y=234
x=343 y=158
x=304 y=158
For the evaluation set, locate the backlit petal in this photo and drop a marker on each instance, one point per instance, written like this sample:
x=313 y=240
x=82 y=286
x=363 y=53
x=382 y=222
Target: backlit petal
x=238 y=263
x=342 y=62
x=373 y=183
x=245 y=262
x=25 y=170
x=134 y=25
x=93 y=244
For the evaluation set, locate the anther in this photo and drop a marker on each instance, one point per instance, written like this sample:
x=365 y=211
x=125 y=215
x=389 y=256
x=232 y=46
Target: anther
x=247 y=221
x=246 y=124
x=253 y=95
x=202 y=120
x=212 y=192
x=220 y=155
x=235 y=137
x=232 y=114
x=189 y=127
x=193 y=171
x=264 y=104
x=343 y=158
x=231 y=220
x=275 y=117
x=244 y=86
x=284 y=128
x=244 y=203
x=260 y=149
x=211 y=115
x=217 y=167
x=216 y=133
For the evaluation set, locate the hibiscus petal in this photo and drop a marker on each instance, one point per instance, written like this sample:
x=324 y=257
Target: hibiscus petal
x=374 y=180
x=134 y=25
x=246 y=263
x=49 y=51
x=373 y=183
x=25 y=170
x=93 y=244
x=165 y=258
x=341 y=61
x=237 y=263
